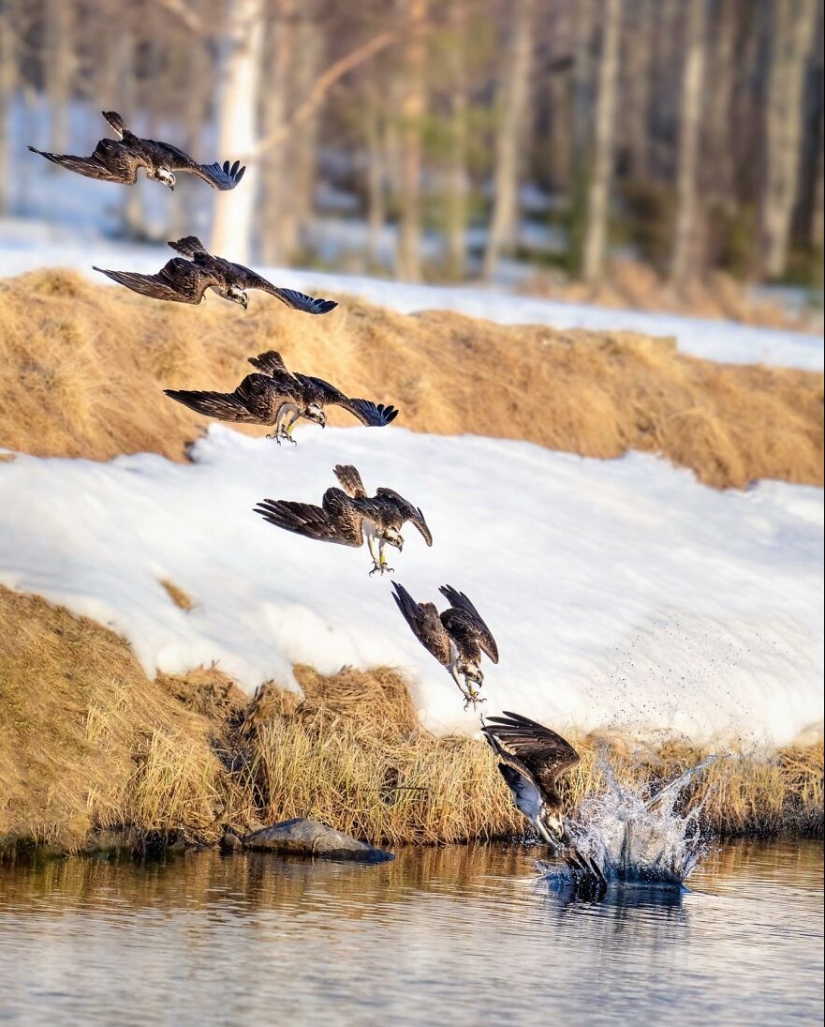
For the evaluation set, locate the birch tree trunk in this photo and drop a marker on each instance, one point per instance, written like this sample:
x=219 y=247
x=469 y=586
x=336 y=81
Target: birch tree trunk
x=8 y=80
x=237 y=126
x=595 y=242
x=792 y=37
x=690 y=125
x=412 y=111
x=513 y=116
x=456 y=199
x=276 y=170
x=59 y=52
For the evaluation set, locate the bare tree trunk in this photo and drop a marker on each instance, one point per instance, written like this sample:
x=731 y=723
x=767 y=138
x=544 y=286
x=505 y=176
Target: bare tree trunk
x=276 y=170
x=690 y=125
x=792 y=37
x=412 y=111
x=376 y=173
x=561 y=150
x=456 y=199
x=585 y=20
x=8 y=80
x=818 y=205
x=124 y=94
x=237 y=125
x=513 y=115
x=59 y=53
x=638 y=48
x=595 y=242
x=303 y=158
x=185 y=216
x=719 y=141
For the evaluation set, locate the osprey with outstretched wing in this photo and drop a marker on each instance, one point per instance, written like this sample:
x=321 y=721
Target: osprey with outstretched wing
x=275 y=396
x=456 y=637
x=348 y=516
x=186 y=280
x=119 y=160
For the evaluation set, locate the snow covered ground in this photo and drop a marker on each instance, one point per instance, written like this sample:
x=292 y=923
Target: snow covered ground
x=623 y=594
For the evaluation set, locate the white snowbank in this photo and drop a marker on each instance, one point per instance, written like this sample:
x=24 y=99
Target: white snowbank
x=622 y=594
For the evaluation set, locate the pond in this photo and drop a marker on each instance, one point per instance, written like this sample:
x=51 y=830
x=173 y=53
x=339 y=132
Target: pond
x=459 y=935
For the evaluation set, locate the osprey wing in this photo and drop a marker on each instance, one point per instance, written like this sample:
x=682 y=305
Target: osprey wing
x=485 y=638
x=350 y=480
x=189 y=246
x=219 y=176
x=425 y=623
x=91 y=167
x=226 y=406
x=374 y=415
x=520 y=779
x=159 y=286
x=543 y=754
x=269 y=362
x=336 y=520
x=244 y=278
x=409 y=512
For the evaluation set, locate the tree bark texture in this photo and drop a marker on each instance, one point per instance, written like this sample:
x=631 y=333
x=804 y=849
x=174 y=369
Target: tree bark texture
x=413 y=106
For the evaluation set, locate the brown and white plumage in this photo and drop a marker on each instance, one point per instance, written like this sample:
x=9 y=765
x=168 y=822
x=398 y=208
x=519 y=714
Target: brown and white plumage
x=456 y=637
x=275 y=396
x=186 y=280
x=348 y=516
x=119 y=160
x=532 y=758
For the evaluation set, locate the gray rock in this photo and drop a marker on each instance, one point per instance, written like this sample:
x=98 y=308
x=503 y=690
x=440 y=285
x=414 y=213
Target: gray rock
x=301 y=837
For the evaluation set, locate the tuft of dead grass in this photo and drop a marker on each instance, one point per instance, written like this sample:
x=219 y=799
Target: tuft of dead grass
x=83 y=366
x=181 y=599
x=89 y=745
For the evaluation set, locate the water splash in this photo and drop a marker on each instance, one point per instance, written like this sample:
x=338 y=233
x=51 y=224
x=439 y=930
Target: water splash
x=631 y=835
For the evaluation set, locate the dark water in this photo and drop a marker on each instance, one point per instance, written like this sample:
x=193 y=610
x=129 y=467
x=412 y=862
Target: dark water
x=450 y=936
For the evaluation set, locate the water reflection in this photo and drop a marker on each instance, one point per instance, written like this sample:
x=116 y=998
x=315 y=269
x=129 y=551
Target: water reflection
x=461 y=935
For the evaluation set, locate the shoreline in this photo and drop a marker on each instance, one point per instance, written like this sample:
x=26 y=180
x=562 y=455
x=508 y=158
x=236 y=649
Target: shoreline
x=173 y=761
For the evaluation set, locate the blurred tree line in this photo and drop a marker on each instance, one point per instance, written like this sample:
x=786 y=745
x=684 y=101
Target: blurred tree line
x=688 y=131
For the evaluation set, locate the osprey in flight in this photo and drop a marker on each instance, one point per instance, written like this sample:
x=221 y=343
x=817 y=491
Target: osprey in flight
x=456 y=637
x=186 y=281
x=118 y=160
x=279 y=397
x=348 y=516
x=532 y=758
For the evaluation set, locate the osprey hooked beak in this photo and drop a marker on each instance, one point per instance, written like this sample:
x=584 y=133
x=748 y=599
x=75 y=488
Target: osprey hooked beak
x=314 y=413
x=237 y=296
x=394 y=538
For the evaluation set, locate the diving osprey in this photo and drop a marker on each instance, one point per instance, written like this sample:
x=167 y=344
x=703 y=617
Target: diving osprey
x=186 y=281
x=531 y=759
x=348 y=516
x=118 y=160
x=279 y=397
x=456 y=637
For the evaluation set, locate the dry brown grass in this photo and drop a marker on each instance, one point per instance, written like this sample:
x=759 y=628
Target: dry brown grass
x=88 y=743
x=82 y=369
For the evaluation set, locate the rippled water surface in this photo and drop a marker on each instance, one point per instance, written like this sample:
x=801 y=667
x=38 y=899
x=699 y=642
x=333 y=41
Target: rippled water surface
x=449 y=936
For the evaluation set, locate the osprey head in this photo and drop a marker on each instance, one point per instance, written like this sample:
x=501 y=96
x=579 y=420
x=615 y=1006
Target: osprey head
x=550 y=826
x=393 y=537
x=237 y=296
x=165 y=176
x=314 y=413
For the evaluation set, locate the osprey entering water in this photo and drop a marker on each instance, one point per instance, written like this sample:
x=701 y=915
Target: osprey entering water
x=456 y=637
x=186 y=281
x=531 y=759
x=279 y=397
x=348 y=516
x=118 y=160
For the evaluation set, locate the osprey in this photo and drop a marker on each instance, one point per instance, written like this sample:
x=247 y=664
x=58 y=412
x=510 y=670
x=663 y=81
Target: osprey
x=279 y=397
x=186 y=281
x=456 y=637
x=348 y=516
x=531 y=759
x=118 y=160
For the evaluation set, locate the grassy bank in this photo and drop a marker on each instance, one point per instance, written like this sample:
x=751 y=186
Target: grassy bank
x=83 y=367
x=89 y=744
